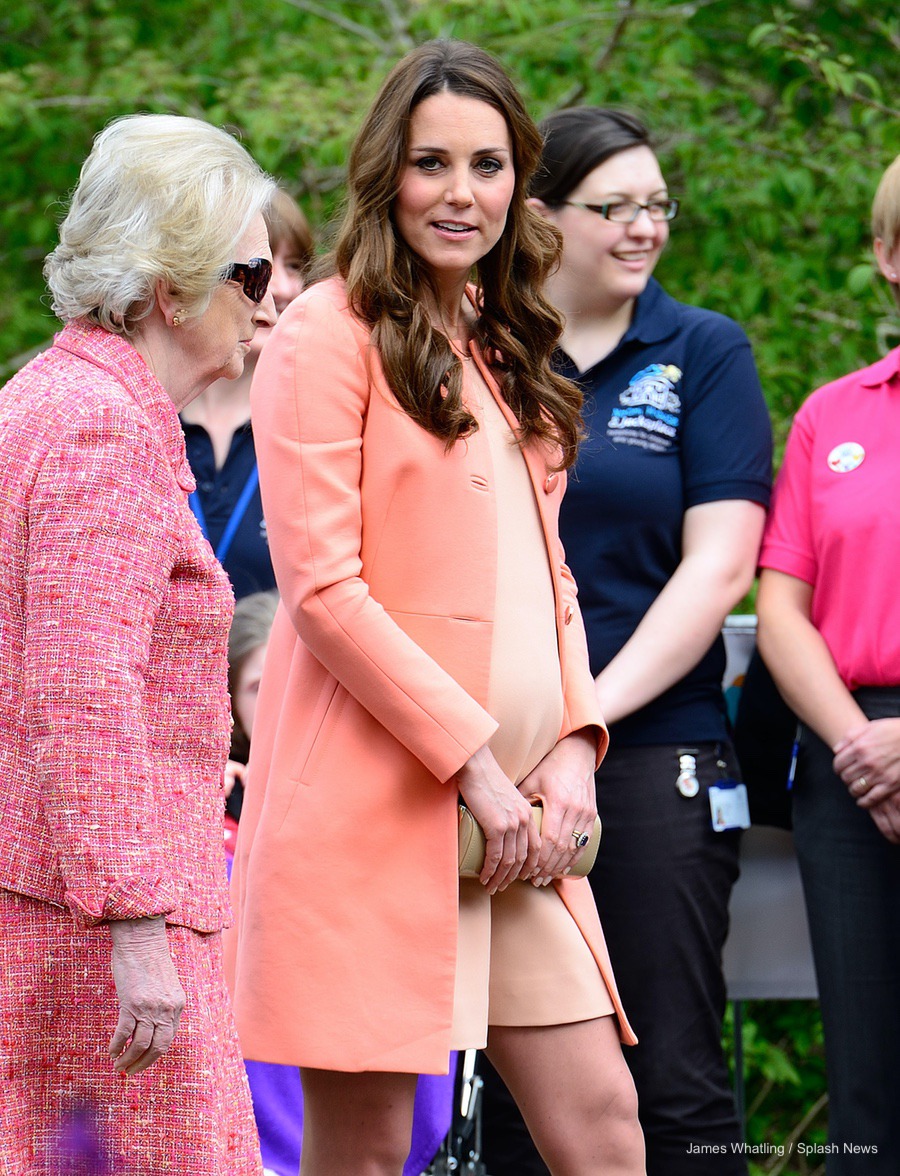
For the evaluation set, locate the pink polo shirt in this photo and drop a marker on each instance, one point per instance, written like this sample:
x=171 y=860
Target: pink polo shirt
x=835 y=519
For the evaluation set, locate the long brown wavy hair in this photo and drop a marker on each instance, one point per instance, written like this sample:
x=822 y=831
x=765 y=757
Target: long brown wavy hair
x=516 y=326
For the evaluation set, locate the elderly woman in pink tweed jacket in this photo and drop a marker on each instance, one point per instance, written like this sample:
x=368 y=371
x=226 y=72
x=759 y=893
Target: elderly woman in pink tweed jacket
x=114 y=717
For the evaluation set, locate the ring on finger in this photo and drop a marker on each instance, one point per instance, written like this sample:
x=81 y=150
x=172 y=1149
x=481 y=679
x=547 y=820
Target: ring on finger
x=581 y=839
x=861 y=785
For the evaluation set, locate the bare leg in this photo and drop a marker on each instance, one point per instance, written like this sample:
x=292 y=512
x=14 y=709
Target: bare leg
x=356 y=1124
x=575 y=1093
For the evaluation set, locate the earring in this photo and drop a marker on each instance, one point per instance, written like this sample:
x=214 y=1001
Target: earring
x=893 y=275
x=178 y=318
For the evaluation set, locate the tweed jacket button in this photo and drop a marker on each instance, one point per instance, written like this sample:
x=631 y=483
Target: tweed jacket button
x=550 y=483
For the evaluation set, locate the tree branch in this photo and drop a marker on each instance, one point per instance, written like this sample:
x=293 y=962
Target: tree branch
x=343 y=22
x=816 y=70
x=809 y=164
x=73 y=101
x=577 y=93
x=797 y=1132
x=829 y=317
x=596 y=16
x=627 y=12
x=399 y=25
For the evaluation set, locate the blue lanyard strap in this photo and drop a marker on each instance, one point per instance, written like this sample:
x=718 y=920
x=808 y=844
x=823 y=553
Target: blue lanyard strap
x=234 y=519
x=795 y=752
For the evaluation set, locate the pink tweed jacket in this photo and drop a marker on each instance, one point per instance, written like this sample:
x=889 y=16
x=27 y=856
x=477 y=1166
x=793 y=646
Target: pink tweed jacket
x=114 y=615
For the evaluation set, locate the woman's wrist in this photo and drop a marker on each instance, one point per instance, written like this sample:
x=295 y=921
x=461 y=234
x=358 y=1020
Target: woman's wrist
x=581 y=745
x=474 y=767
x=144 y=930
x=850 y=733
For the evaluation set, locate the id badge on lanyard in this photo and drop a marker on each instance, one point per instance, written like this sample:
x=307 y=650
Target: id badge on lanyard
x=729 y=807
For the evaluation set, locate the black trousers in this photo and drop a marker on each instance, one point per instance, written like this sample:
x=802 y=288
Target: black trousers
x=851 y=878
x=662 y=883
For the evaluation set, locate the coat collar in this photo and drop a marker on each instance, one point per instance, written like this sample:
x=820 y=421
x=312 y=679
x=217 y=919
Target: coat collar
x=115 y=355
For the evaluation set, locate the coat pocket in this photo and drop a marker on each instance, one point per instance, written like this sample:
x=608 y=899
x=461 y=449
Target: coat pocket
x=323 y=728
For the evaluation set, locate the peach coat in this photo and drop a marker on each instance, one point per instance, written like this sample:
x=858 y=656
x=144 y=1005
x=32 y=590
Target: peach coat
x=374 y=694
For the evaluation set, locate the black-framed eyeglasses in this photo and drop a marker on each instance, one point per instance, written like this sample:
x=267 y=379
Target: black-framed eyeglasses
x=626 y=212
x=253 y=276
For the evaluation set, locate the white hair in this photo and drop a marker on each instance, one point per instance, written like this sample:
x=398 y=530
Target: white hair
x=161 y=198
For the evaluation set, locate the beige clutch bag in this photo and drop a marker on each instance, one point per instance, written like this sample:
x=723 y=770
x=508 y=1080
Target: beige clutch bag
x=472 y=844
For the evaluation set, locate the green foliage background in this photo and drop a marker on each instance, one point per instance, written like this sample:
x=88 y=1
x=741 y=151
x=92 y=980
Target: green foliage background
x=786 y=1099
x=774 y=122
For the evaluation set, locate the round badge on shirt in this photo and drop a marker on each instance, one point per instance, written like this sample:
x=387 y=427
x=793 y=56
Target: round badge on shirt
x=847 y=456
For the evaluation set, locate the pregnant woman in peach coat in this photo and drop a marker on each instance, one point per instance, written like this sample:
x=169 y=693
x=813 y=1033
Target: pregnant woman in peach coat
x=412 y=444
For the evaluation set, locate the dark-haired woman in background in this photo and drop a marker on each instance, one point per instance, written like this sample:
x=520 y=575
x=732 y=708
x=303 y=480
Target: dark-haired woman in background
x=661 y=524
x=412 y=445
x=219 y=435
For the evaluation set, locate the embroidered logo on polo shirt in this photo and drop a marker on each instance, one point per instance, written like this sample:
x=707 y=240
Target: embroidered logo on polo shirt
x=846 y=457
x=649 y=410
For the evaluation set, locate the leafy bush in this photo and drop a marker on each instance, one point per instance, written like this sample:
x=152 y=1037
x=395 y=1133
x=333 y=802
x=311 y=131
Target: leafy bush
x=784 y=1075
x=774 y=122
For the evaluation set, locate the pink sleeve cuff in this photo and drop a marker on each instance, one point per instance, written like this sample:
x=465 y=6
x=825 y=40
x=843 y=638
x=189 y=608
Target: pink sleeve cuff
x=131 y=898
x=782 y=558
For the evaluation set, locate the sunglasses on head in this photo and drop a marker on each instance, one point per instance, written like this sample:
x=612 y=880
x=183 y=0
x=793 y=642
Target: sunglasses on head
x=253 y=276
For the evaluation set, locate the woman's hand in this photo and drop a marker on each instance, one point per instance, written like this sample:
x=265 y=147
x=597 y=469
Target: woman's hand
x=867 y=759
x=151 y=998
x=887 y=817
x=564 y=780
x=512 y=842
x=235 y=773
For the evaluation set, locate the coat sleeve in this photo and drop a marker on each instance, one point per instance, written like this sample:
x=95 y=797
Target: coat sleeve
x=309 y=399
x=99 y=556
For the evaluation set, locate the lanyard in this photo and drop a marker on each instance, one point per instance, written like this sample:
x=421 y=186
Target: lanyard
x=234 y=519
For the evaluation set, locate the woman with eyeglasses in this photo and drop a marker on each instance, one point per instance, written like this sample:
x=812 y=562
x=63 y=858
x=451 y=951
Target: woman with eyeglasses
x=661 y=525
x=117 y=1044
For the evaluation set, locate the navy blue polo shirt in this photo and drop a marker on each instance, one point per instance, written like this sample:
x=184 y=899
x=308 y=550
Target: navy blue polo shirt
x=247 y=561
x=676 y=417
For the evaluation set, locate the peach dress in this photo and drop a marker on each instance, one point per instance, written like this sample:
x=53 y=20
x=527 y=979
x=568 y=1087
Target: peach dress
x=522 y=960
